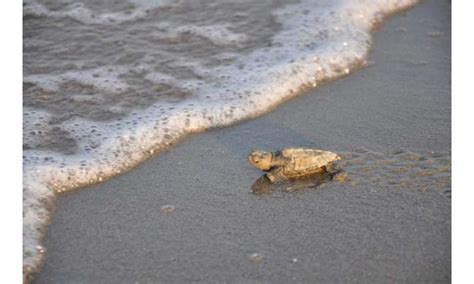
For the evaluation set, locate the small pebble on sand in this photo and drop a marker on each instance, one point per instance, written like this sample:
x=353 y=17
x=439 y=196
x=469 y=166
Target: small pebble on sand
x=167 y=209
x=256 y=258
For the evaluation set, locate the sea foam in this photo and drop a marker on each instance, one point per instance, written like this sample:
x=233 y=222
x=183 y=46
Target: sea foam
x=106 y=87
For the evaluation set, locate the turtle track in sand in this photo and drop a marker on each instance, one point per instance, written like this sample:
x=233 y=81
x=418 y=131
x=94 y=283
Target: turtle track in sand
x=394 y=170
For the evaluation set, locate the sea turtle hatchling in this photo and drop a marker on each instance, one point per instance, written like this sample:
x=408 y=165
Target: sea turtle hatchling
x=293 y=162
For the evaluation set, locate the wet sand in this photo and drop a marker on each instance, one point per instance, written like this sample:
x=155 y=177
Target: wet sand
x=390 y=221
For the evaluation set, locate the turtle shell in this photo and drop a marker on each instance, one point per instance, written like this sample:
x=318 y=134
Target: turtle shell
x=301 y=161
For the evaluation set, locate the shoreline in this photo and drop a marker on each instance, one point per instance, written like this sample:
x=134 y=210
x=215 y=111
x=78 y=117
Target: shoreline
x=56 y=181
x=273 y=124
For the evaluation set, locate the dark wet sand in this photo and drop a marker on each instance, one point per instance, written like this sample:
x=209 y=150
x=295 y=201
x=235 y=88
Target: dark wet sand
x=376 y=227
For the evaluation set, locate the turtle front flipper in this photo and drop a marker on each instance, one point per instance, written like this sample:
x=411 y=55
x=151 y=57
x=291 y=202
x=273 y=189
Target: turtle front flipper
x=275 y=175
x=332 y=168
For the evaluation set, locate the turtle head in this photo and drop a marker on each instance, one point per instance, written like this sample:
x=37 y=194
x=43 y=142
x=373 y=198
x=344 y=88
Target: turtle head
x=261 y=160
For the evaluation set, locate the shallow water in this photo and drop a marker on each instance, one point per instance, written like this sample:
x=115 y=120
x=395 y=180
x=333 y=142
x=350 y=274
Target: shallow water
x=108 y=85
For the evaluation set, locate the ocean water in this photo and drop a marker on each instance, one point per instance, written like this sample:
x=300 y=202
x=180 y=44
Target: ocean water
x=108 y=84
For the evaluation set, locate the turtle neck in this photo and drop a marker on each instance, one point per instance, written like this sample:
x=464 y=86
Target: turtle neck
x=278 y=159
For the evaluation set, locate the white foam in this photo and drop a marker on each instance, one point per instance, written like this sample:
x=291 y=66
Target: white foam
x=80 y=12
x=317 y=42
x=161 y=78
x=219 y=35
x=151 y=4
x=104 y=78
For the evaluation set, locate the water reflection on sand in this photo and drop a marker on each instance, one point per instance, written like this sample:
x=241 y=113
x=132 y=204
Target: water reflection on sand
x=263 y=185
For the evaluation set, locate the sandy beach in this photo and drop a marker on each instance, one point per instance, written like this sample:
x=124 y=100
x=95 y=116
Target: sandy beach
x=389 y=222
